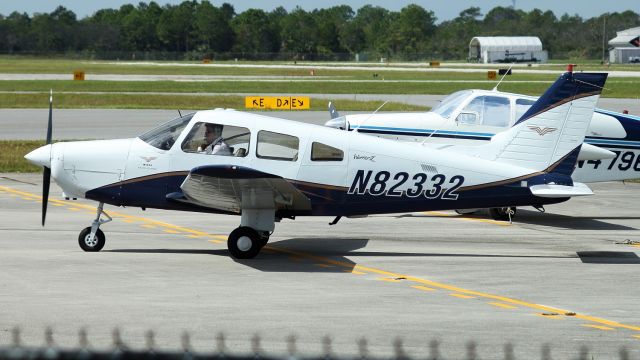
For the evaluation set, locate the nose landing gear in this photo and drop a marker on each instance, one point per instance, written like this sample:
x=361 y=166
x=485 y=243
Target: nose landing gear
x=91 y=238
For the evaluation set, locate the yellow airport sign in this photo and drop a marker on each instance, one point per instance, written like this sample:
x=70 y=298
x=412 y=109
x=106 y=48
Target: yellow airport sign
x=277 y=102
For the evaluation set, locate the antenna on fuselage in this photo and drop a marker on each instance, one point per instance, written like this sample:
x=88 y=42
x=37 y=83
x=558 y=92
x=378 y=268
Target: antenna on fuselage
x=370 y=115
x=502 y=78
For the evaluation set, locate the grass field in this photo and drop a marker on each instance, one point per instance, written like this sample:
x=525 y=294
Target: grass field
x=12 y=154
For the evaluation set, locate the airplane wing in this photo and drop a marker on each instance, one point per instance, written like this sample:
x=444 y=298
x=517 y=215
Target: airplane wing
x=231 y=188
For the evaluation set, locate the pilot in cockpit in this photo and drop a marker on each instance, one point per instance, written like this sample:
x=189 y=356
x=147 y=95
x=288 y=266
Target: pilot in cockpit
x=213 y=141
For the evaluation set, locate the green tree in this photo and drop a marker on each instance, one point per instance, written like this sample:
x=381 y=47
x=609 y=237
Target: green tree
x=254 y=33
x=213 y=27
x=175 y=27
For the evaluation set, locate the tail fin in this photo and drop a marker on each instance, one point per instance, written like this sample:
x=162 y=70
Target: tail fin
x=551 y=132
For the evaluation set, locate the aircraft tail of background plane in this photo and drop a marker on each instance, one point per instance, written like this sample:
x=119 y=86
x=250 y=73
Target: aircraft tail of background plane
x=549 y=135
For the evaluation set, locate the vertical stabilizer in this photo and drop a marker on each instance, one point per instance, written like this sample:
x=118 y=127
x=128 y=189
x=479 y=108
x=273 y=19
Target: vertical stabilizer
x=553 y=128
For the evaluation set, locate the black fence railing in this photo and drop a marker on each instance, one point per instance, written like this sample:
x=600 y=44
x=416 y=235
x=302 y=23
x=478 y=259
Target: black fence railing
x=119 y=351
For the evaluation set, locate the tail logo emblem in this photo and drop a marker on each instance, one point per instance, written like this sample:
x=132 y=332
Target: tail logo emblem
x=542 y=131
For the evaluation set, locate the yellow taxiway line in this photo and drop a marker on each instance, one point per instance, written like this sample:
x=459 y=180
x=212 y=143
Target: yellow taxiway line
x=599 y=323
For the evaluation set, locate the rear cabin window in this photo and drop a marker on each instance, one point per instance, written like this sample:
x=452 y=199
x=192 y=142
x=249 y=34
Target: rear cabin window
x=276 y=146
x=322 y=152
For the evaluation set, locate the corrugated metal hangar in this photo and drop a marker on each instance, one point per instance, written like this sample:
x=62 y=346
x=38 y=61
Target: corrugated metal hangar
x=506 y=49
x=625 y=47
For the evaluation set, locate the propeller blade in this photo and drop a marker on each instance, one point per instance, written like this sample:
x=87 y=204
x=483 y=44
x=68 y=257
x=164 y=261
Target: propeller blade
x=46 y=175
x=50 y=124
x=46 y=181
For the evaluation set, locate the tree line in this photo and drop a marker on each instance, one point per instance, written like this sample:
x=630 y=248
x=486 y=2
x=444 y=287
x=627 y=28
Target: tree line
x=199 y=29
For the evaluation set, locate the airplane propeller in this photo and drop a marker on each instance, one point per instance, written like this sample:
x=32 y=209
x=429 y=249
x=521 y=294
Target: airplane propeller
x=46 y=175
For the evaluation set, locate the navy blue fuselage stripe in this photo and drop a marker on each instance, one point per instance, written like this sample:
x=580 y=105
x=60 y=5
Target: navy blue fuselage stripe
x=152 y=193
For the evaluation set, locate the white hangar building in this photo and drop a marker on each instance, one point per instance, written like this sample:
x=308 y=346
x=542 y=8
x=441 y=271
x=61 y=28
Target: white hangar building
x=506 y=49
x=625 y=47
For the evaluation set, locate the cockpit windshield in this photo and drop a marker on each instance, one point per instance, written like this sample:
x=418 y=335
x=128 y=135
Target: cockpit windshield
x=451 y=103
x=165 y=135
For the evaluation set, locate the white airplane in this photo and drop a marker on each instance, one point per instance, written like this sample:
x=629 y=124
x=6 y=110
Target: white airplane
x=266 y=169
x=472 y=117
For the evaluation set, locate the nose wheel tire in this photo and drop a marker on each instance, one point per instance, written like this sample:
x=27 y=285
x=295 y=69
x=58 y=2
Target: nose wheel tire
x=88 y=244
x=503 y=213
x=244 y=243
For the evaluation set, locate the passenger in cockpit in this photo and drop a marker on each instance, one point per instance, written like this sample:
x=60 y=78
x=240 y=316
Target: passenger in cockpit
x=214 y=142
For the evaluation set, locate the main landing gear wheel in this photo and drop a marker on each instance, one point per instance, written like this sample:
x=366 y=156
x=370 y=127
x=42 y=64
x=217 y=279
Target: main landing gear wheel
x=89 y=243
x=245 y=243
x=503 y=213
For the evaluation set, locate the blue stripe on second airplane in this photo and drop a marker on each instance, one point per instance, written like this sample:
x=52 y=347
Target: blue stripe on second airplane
x=479 y=136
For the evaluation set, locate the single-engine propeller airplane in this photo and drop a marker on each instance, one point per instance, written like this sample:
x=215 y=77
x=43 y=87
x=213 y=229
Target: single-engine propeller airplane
x=266 y=169
x=611 y=151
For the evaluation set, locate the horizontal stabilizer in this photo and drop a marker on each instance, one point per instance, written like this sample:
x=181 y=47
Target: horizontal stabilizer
x=560 y=191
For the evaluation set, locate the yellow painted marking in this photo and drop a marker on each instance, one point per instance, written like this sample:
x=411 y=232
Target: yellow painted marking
x=169 y=231
x=54 y=204
x=599 y=327
x=216 y=241
x=389 y=279
x=194 y=236
x=636 y=336
x=349 y=265
x=74 y=209
x=462 y=217
x=128 y=221
x=424 y=288
x=148 y=226
x=462 y=296
x=355 y=272
x=324 y=265
x=555 y=316
x=26 y=198
x=504 y=306
x=636 y=245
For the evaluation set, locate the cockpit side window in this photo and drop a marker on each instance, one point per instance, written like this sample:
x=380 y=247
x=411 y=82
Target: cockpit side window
x=166 y=134
x=217 y=139
x=491 y=110
x=276 y=146
x=522 y=105
x=450 y=103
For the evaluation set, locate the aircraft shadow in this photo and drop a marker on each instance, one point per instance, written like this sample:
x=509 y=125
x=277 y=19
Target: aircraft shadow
x=608 y=257
x=555 y=220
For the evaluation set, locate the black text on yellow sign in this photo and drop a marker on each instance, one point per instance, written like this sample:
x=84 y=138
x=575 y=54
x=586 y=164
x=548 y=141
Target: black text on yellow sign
x=277 y=102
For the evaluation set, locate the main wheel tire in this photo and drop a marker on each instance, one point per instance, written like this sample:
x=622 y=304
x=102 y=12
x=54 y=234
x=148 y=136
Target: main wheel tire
x=91 y=245
x=244 y=243
x=502 y=213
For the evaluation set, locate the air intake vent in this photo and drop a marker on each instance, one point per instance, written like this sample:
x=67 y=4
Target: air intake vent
x=429 y=168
